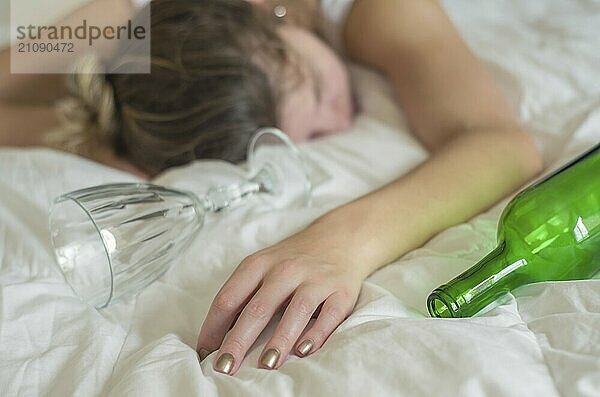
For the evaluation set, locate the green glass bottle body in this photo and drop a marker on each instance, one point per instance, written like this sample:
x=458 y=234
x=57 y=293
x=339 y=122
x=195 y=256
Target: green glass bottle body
x=548 y=232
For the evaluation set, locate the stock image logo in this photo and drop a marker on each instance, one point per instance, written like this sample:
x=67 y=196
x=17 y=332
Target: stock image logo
x=55 y=47
x=84 y=31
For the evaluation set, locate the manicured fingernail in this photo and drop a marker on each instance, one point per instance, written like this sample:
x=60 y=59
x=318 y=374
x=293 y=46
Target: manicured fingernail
x=305 y=347
x=269 y=358
x=225 y=363
x=202 y=353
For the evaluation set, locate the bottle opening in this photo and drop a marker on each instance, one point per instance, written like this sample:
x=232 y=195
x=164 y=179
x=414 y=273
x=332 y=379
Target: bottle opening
x=438 y=307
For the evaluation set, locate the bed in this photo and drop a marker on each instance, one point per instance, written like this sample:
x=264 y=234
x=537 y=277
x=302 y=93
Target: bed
x=542 y=340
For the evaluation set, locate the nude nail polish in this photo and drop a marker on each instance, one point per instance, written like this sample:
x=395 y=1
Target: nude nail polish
x=269 y=358
x=203 y=353
x=305 y=347
x=225 y=363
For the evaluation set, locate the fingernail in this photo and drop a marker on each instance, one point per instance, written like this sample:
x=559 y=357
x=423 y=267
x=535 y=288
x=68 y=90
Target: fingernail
x=202 y=353
x=225 y=363
x=305 y=347
x=269 y=358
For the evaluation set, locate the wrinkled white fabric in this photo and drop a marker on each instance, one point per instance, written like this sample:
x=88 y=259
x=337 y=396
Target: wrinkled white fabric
x=542 y=340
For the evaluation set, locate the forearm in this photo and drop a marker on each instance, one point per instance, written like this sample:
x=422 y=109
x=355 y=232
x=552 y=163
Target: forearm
x=24 y=125
x=479 y=151
x=27 y=88
x=468 y=175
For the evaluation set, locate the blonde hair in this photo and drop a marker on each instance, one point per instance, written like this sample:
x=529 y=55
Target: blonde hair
x=88 y=116
x=204 y=98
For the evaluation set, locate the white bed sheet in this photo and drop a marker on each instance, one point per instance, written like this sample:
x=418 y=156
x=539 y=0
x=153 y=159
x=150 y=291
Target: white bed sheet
x=543 y=340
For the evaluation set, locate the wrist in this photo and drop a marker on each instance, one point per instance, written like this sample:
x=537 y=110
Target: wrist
x=346 y=235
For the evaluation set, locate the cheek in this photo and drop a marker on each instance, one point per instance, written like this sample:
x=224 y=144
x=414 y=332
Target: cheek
x=337 y=91
x=297 y=114
x=336 y=108
x=296 y=129
x=301 y=116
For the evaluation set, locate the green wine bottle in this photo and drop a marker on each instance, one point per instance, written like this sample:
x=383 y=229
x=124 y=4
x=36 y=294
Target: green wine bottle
x=548 y=232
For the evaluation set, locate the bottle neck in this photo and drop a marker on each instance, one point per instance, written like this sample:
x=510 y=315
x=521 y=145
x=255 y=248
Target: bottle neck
x=476 y=288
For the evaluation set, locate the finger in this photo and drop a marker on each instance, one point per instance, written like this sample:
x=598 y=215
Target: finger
x=334 y=310
x=229 y=301
x=297 y=315
x=285 y=303
x=318 y=311
x=238 y=315
x=252 y=321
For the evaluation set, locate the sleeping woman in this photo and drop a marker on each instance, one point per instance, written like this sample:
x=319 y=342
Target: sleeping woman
x=221 y=69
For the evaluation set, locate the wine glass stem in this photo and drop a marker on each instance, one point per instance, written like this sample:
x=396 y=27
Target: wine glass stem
x=223 y=197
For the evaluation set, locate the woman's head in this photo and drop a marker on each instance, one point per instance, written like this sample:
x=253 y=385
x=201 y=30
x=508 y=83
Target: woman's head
x=220 y=70
x=322 y=103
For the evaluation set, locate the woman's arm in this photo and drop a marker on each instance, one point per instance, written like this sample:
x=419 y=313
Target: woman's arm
x=38 y=89
x=26 y=99
x=479 y=154
x=479 y=151
x=26 y=110
x=24 y=125
x=441 y=86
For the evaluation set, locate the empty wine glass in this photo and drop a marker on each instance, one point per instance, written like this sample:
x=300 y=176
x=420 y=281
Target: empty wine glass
x=111 y=241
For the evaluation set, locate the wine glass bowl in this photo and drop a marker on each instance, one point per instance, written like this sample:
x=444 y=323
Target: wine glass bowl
x=111 y=241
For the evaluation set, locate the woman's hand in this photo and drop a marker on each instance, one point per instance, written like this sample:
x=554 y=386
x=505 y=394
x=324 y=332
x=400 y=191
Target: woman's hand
x=310 y=271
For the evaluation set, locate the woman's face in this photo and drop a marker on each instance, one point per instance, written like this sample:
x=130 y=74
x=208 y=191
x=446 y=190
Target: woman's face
x=323 y=102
